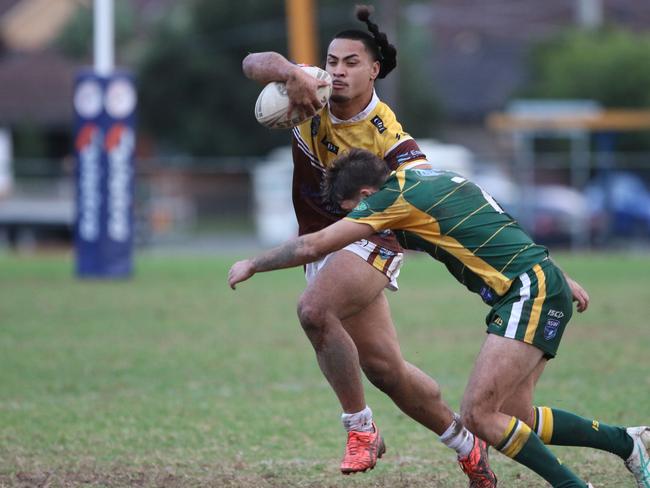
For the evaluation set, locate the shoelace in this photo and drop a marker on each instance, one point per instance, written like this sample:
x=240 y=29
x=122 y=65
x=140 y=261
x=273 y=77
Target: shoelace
x=354 y=443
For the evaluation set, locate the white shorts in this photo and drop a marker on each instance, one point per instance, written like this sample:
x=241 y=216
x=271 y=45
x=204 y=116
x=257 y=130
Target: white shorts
x=387 y=261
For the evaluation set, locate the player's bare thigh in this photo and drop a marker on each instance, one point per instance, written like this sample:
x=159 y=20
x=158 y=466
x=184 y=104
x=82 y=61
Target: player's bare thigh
x=520 y=404
x=344 y=286
x=502 y=366
x=374 y=334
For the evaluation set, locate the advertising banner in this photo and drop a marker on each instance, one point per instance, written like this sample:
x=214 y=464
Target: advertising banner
x=104 y=146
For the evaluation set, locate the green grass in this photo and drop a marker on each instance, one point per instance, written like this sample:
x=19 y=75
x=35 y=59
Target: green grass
x=172 y=379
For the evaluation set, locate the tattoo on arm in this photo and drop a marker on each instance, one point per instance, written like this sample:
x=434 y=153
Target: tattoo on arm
x=292 y=253
x=267 y=67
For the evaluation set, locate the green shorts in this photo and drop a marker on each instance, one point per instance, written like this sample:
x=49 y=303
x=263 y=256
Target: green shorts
x=535 y=309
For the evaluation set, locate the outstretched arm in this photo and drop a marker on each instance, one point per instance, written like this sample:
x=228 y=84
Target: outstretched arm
x=301 y=87
x=301 y=250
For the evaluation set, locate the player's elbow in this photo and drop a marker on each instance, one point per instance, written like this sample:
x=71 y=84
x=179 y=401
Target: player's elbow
x=256 y=65
x=248 y=65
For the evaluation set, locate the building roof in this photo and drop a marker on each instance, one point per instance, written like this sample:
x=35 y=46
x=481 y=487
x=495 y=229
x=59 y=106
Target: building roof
x=36 y=80
x=36 y=88
x=34 y=24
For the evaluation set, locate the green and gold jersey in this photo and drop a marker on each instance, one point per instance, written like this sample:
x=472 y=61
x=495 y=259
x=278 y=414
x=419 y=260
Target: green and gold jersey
x=456 y=222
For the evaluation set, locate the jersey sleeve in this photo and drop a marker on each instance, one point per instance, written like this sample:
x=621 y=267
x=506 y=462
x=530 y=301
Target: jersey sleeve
x=404 y=152
x=386 y=209
x=399 y=147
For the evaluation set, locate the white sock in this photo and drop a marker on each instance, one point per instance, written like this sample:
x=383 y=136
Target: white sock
x=458 y=438
x=360 y=421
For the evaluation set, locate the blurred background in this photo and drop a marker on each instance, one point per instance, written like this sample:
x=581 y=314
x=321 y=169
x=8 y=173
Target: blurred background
x=545 y=104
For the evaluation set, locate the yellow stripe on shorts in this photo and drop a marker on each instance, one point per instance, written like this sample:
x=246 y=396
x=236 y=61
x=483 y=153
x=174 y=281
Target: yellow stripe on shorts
x=536 y=311
x=379 y=262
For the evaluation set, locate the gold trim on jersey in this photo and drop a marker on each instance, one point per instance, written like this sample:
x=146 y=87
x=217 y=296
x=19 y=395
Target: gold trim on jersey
x=493 y=236
x=467 y=217
x=428 y=228
x=536 y=311
x=401 y=180
x=528 y=246
x=447 y=196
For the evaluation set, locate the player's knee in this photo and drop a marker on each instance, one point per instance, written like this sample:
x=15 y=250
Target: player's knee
x=312 y=318
x=473 y=415
x=470 y=418
x=522 y=412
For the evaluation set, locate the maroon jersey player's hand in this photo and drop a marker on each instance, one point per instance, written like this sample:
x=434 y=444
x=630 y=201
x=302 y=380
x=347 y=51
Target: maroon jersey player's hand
x=240 y=271
x=302 y=91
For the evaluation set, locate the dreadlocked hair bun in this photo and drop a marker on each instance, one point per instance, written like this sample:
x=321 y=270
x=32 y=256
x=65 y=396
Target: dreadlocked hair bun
x=387 y=52
x=363 y=12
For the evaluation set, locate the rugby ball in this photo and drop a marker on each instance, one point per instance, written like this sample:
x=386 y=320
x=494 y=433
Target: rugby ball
x=272 y=106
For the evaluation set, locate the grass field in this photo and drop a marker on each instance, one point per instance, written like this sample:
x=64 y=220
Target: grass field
x=171 y=379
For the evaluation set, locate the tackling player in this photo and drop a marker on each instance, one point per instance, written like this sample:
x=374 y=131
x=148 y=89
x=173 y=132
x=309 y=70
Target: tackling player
x=343 y=310
x=457 y=223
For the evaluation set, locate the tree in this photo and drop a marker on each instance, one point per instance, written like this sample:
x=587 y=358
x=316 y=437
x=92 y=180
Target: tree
x=193 y=95
x=611 y=66
x=75 y=40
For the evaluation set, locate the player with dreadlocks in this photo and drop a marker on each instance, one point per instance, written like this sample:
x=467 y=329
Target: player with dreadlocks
x=343 y=310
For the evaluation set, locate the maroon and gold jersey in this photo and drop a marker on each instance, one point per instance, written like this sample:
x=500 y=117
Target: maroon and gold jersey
x=318 y=141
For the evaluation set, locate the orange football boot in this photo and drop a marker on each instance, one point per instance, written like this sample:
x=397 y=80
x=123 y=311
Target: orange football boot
x=477 y=467
x=362 y=451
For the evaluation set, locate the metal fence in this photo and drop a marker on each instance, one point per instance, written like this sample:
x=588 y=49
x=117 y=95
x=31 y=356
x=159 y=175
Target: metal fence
x=184 y=202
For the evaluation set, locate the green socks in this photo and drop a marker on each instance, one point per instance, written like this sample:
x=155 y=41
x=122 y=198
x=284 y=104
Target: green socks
x=522 y=445
x=560 y=428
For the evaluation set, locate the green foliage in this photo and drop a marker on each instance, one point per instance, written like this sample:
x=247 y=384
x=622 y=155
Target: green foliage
x=29 y=142
x=194 y=95
x=172 y=379
x=195 y=99
x=611 y=66
x=419 y=109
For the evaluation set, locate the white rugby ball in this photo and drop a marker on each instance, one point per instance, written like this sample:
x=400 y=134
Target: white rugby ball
x=272 y=106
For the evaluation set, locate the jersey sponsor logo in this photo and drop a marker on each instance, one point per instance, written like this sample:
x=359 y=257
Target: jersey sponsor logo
x=377 y=122
x=498 y=321
x=550 y=329
x=361 y=207
x=558 y=314
x=315 y=125
x=409 y=155
x=488 y=295
x=425 y=173
x=385 y=253
x=331 y=147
